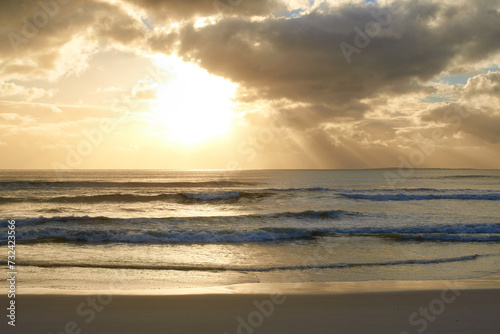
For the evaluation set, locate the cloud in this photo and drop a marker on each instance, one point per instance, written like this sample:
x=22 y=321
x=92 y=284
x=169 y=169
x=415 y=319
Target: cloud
x=111 y=89
x=457 y=118
x=484 y=84
x=360 y=81
x=300 y=59
x=44 y=113
x=51 y=39
x=176 y=10
x=10 y=89
x=144 y=90
x=476 y=112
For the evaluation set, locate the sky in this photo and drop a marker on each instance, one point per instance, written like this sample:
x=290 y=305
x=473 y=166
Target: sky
x=240 y=84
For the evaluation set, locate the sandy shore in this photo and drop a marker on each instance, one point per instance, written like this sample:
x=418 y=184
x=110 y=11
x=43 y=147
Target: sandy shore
x=466 y=306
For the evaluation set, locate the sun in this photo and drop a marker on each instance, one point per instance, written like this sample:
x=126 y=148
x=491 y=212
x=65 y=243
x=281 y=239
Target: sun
x=192 y=106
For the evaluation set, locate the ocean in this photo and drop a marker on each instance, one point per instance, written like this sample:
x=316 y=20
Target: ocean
x=160 y=229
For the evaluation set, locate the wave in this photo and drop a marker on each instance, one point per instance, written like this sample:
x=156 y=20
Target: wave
x=221 y=236
x=285 y=226
x=65 y=235
x=420 y=230
x=9 y=185
x=347 y=190
x=420 y=197
x=232 y=196
x=310 y=214
x=471 y=176
x=299 y=189
x=130 y=198
x=183 y=197
x=457 y=176
x=451 y=238
x=249 y=269
x=211 y=196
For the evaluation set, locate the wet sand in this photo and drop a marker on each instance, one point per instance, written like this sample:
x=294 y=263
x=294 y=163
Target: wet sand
x=399 y=307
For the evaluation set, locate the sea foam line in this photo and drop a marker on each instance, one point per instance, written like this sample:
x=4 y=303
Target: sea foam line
x=252 y=269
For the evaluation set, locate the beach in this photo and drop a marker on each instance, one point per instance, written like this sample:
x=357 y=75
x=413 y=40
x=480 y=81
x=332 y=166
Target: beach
x=464 y=306
x=257 y=251
x=245 y=167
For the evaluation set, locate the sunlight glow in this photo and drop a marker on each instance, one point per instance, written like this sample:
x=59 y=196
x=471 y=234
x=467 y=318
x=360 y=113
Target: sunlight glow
x=192 y=105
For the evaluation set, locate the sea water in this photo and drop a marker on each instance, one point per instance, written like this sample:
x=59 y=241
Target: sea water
x=158 y=229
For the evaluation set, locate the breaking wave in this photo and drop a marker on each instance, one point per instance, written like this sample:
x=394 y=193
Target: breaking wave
x=131 y=198
x=234 y=229
x=10 y=185
x=420 y=197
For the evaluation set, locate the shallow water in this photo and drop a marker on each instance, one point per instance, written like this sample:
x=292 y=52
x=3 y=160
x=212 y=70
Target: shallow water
x=168 y=229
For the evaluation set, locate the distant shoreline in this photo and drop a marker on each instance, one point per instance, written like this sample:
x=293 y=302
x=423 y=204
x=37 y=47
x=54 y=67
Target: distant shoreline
x=260 y=169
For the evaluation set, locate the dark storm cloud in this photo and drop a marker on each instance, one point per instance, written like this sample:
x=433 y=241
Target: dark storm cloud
x=300 y=59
